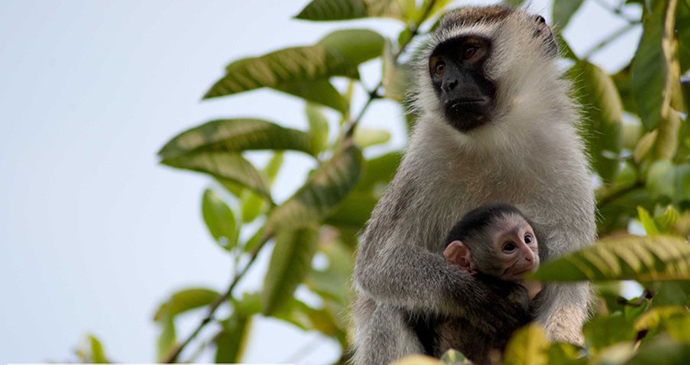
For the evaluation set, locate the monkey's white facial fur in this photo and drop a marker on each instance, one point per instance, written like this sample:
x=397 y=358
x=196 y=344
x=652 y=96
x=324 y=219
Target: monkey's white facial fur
x=498 y=77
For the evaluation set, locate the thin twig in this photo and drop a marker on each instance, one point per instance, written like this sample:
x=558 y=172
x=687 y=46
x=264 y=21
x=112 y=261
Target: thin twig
x=175 y=353
x=617 y=11
x=374 y=93
x=606 y=41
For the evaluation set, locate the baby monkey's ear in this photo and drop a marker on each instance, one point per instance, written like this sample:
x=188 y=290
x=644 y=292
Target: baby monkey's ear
x=459 y=254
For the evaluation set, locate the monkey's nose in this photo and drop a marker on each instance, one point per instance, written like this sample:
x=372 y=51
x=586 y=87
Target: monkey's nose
x=450 y=85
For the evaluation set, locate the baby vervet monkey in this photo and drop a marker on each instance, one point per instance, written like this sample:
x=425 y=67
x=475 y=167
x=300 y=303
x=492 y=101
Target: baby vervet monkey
x=496 y=240
x=498 y=243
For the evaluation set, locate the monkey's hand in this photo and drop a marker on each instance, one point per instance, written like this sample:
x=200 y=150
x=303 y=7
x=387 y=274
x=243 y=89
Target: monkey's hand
x=498 y=308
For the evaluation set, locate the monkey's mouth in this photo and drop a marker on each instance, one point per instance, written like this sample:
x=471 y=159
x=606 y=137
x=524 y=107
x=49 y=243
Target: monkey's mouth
x=466 y=114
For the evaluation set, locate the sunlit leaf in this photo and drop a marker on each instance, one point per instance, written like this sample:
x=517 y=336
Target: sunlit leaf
x=321 y=193
x=219 y=219
x=652 y=258
x=273 y=166
x=647 y=222
x=166 y=337
x=97 y=352
x=417 y=360
x=396 y=77
x=674 y=319
x=235 y=135
x=563 y=10
x=290 y=263
x=452 y=357
x=367 y=137
x=655 y=67
x=186 y=300
x=527 y=346
x=318 y=127
x=328 y=10
x=252 y=206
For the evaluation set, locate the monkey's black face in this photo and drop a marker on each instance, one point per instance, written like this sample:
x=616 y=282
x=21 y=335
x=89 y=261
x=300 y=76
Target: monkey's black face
x=456 y=68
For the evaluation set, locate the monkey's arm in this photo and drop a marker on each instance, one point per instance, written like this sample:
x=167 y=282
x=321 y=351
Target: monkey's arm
x=418 y=280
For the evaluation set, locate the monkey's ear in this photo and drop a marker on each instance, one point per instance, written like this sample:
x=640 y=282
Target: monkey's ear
x=459 y=254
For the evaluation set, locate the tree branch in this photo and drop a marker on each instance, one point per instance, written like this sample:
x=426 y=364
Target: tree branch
x=175 y=352
x=606 y=41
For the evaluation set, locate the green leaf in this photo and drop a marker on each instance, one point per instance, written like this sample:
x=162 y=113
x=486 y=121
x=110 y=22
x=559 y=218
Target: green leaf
x=527 y=346
x=396 y=77
x=328 y=10
x=228 y=166
x=513 y=3
x=273 y=166
x=219 y=219
x=666 y=220
x=318 y=127
x=661 y=179
x=317 y=91
x=563 y=10
x=565 y=354
x=655 y=66
x=252 y=206
x=97 y=351
x=233 y=338
x=167 y=336
x=452 y=357
x=236 y=135
x=647 y=222
x=683 y=36
x=304 y=71
x=661 y=350
x=654 y=258
x=602 y=332
x=683 y=182
x=354 y=45
x=289 y=265
x=674 y=319
x=186 y=300
x=333 y=281
x=602 y=115
x=321 y=193
x=367 y=137
x=379 y=171
x=353 y=212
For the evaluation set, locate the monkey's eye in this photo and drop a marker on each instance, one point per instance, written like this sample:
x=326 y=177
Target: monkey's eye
x=540 y=19
x=469 y=52
x=440 y=68
x=528 y=238
x=509 y=247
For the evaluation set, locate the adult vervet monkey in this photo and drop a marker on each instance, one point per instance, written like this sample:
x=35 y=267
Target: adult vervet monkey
x=496 y=125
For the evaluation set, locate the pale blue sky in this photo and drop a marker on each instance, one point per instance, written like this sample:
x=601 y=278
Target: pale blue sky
x=93 y=232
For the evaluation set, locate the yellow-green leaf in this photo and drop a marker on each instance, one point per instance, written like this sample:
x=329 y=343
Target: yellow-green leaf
x=233 y=338
x=186 y=300
x=318 y=127
x=97 y=352
x=527 y=346
x=219 y=219
x=289 y=264
x=638 y=258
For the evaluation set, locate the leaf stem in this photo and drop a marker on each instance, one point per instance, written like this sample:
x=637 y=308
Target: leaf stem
x=177 y=350
x=373 y=94
x=606 y=41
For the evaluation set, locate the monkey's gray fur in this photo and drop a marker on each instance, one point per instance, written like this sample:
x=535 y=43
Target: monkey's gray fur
x=528 y=154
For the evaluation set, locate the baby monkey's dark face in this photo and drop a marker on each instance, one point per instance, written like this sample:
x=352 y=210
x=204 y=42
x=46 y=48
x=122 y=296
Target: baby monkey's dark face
x=456 y=68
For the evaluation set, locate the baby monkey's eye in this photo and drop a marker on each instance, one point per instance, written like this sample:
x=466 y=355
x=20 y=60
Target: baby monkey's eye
x=509 y=247
x=528 y=238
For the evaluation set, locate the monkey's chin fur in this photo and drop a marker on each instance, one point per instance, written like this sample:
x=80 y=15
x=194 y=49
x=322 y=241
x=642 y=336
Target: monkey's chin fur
x=466 y=116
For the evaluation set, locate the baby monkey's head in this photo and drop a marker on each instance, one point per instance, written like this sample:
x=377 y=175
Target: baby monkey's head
x=495 y=240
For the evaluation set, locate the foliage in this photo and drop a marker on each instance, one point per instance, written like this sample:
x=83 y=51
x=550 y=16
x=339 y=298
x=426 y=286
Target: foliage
x=636 y=132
